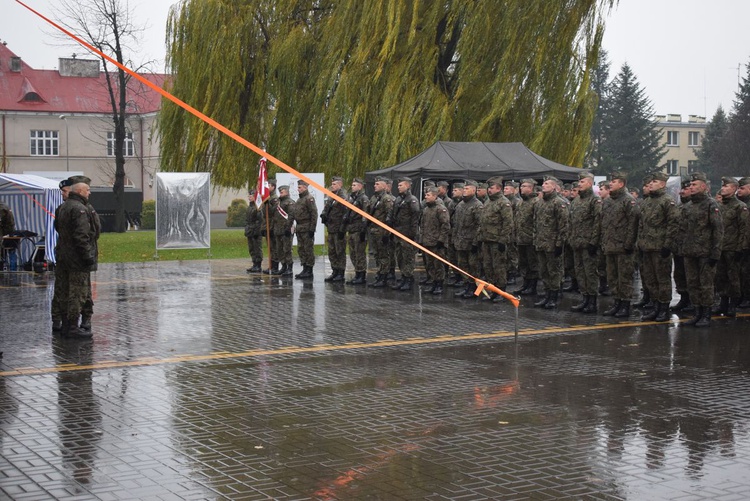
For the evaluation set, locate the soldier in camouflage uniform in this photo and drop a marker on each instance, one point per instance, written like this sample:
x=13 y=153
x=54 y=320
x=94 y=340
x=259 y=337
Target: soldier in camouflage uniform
x=442 y=187
x=392 y=242
x=77 y=228
x=657 y=233
x=569 y=192
x=466 y=220
x=435 y=230
x=680 y=281
x=511 y=193
x=266 y=212
x=457 y=196
x=357 y=230
x=496 y=230
x=734 y=215
x=58 y=305
x=584 y=240
x=619 y=234
x=551 y=227
x=333 y=217
x=523 y=220
x=602 y=266
x=406 y=212
x=704 y=233
x=381 y=208
x=743 y=194
x=482 y=192
x=305 y=217
x=253 y=233
x=645 y=302
x=282 y=222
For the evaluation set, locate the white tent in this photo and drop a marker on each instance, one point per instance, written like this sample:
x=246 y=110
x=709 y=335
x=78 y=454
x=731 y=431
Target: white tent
x=33 y=200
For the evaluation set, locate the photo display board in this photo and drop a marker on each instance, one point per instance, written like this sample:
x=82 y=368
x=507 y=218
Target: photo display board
x=183 y=209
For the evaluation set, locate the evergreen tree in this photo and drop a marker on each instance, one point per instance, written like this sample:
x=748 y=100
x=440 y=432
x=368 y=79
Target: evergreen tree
x=712 y=155
x=346 y=87
x=600 y=87
x=736 y=144
x=630 y=133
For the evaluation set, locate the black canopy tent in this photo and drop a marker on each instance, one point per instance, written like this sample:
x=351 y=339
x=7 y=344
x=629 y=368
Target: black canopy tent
x=446 y=160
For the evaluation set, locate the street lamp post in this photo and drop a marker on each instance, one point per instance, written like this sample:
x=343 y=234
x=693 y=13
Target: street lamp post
x=67 y=143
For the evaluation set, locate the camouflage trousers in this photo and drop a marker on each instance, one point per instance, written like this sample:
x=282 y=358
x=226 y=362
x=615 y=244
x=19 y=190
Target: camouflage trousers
x=380 y=248
x=528 y=263
x=656 y=274
x=337 y=250
x=620 y=268
x=513 y=257
x=255 y=248
x=435 y=269
x=680 y=280
x=392 y=252
x=569 y=263
x=727 y=280
x=358 y=251
x=495 y=264
x=550 y=270
x=283 y=246
x=586 y=271
x=700 y=280
x=405 y=258
x=73 y=291
x=306 y=248
x=468 y=261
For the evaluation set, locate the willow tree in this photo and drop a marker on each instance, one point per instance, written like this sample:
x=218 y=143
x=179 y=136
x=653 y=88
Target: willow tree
x=345 y=87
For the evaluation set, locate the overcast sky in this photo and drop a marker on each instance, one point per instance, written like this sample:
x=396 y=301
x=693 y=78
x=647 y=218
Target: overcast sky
x=684 y=53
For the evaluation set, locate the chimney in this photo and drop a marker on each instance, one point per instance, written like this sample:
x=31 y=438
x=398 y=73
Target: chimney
x=15 y=64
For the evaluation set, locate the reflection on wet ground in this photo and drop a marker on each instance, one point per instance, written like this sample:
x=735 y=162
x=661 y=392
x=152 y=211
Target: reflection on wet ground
x=205 y=383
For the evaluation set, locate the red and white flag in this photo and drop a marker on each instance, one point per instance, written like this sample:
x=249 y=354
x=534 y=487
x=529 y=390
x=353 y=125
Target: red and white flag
x=262 y=192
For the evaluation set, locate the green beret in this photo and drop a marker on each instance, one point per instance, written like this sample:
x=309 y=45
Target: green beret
x=553 y=179
x=337 y=178
x=65 y=183
x=585 y=175
x=432 y=189
x=272 y=180
x=512 y=184
x=443 y=184
x=483 y=186
x=404 y=180
x=458 y=186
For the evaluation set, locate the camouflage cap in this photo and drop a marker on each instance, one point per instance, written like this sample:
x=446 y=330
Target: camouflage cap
x=647 y=179
x=442 y=184
x=79 y=179
x=471 y=182
x=553 y=179
x=272 y=181
x=618 y=174
x=284 y=187
x=337 y=178
x=432 y=189
x=729 y=180
x=483 y=186
x=660 y=176
x=65 y=183
x=699 y=176
x=567 y=186
x=530 y=181
x=496 y=180
x=512 y=184
x=382 y=179
x=744 y=180
x=358 y=180
x=604 y=184
x=684 y=182
x=634 y=190
x=429 y=183
x=404 y=179
x=585 y=175
x=302 y=182
x=574 y=185
x=458 y=186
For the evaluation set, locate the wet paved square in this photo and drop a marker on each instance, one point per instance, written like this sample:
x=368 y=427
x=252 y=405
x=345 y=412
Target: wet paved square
x=203 y=382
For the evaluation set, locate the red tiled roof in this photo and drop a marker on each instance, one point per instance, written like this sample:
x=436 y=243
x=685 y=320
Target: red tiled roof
x=59 y=94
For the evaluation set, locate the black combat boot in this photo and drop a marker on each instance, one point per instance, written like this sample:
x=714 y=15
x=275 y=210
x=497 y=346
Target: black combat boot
x=458 y=284
x=289 y=270
x=280 y=271
x=572 y=287
x=274 y=267
x=85 y=322
x=604 y=287
x=57 y=325
x=552 y=303
x=542 y=302
x=531 y=290
x=723 y=306
x=651 y=314
x=391 y=275
x=624 y=310
x=511 y=278
x=425 y=281
x=613 y=309
x=437 y=287
x=461 y=292
x=524 y=286
x=663 y=314
x=339 y=276
x=469 y=292
x=705 y=319
x=697 y=315
x=683 y=303
x=644 y=301
x=334 y=274
x=582 y=305
x=379 y=282
x=398 y=284
x=592 y=306
x=255 y=268
x=360 y=278
x=406 y=285
x=305 y=273
x=732 y=308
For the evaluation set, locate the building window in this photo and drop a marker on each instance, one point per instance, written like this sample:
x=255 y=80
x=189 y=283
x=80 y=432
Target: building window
x=672 y=167
x=673 y=138
x=694 y=138
x=692 y=166
x=44 y=143
x=129 y=146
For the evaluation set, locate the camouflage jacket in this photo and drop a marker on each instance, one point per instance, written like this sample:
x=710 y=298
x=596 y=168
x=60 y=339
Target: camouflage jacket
x=659 y=222
x=281 y=217
x=334 y=212
x=406 y=211
x=267 y=210
x=619 y=223
x=305 y=213
x=551 y=222
x=704 y=228
x=734 y=217
x=435 y=224
x=585 y=220
x=7 y=221
x=496 y=220
x=466 y=227
x=77 y=243
x=354 y=222
x=253 y=221
x=381 y=208
x=523 y=220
